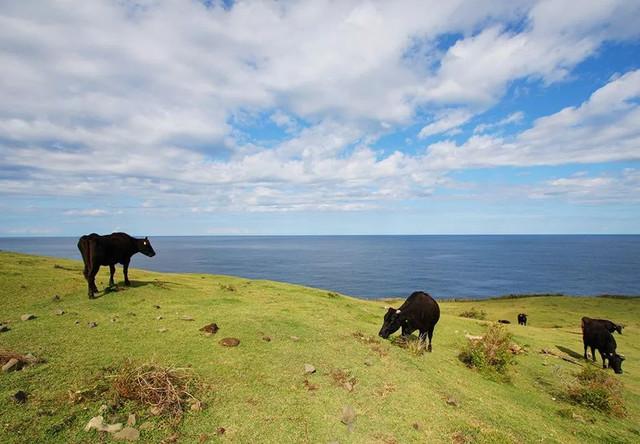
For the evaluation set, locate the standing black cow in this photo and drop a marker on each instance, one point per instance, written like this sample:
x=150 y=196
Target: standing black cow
x=522 y=319
x=596 y=336
x=109 y=250
x=419 y=312
x=610 y=326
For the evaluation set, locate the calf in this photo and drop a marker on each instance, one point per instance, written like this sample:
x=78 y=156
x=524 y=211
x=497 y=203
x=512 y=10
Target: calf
x=419 y=312
x=503 y=321
x=596 y=336
x=610 y=326
x=108 y=250
x=522 y=319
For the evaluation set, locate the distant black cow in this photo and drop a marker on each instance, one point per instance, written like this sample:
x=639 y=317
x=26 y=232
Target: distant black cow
x=109 y=250
x=419 y=312
x=503 y=321
x=610 y=326
x=522 y=319
x=596 y=336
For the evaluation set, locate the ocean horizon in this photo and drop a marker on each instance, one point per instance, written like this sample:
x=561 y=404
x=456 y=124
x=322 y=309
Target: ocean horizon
x=387 y=266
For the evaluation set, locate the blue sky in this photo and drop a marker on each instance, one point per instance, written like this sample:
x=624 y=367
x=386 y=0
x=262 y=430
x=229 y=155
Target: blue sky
x=351 y=117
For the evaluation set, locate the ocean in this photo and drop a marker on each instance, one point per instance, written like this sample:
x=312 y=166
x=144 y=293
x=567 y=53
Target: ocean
x=394 y=266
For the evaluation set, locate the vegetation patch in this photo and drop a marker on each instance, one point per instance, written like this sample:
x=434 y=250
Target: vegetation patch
x=491 y=352
x=412 y=344
x=597 y=389
x=165 y=390
x=474 y=313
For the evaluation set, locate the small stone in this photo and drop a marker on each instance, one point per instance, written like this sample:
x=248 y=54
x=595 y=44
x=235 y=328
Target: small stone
x=416 y=426
x=131 y=313
x=196 y=406
x=114 y=319
x=163 y=330
x=210 y=329
x=20 y=397
x=452 y=401
x=11 y=365
x=368 y=362
x=202 y=438
x=59 y=312
x=3 y=328
x=348 y=416
x=187 y=318
x=56 y=298
x=27 y=317
x=294 y=338
x=92 y=324
x=157 y=307
x=308 y=369
x=97 y=423
x=148 y=425
x=220 y=431
x=127 y=434
x=159 y=318
x=103 y=409
x=230 y=342
x=266 y=339
x=77 y=321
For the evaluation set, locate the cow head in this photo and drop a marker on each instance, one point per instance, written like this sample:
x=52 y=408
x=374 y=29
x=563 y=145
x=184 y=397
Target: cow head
x=618 y=328
x=393 y=320
x=145 y=247
x=615 y=362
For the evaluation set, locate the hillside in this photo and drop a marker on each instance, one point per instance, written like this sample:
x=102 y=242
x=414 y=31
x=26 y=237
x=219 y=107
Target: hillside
x=258 y=391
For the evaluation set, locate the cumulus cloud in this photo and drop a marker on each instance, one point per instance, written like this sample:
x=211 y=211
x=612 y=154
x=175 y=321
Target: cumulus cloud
x=138 y=99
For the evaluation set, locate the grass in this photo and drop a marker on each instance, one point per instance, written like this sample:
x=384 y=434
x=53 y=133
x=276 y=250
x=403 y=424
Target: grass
x=258 y=391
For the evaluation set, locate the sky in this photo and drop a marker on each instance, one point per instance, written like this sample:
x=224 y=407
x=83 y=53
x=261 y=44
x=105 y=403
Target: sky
x=319 y=117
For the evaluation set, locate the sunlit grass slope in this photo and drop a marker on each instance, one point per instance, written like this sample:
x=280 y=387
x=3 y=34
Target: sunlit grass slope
x=257 y=391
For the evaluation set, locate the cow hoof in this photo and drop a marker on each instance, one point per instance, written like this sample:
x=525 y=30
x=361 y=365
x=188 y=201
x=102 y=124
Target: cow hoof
x=127 y=283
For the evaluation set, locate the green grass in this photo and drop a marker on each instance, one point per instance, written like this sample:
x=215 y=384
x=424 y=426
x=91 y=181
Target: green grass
x=257 y=391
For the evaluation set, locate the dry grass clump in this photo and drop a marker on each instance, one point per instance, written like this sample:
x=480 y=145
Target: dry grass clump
x=411 y=343
x=166 y=390
x=598 y=390
x=24 y=360
x=492 y=352
x=474 y=313
x=364 y=338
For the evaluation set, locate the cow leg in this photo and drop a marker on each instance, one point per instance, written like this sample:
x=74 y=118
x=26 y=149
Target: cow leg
x=585 y=352
x=112 y=270
x=430 y=333
x=593 y=354
x=125 y=271
x=91 y=279
x=604 y=359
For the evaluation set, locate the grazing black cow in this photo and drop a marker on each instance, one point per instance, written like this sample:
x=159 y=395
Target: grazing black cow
x=610 y=326
x=522 y=319
x=503 y=321
x=419 y=312
x=109 y=250
x=596 y=336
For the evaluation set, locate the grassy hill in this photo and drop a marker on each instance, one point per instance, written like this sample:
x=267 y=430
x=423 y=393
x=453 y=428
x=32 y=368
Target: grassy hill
x=258 y=391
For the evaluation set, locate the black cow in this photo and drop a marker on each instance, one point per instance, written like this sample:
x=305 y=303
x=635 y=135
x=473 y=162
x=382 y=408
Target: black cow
x=108 y=250
x=596 y=336
x=610 y=326
x=522 y=319
x=419 y=312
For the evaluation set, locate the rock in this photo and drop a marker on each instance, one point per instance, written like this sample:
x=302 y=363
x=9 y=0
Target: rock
x=127 y=434
x=27 y=317
x=416 y=426
x=56 y=298
x=131 y=420
x=210 y=329
x=92 y=324
x=266 y=339
x=20 y=397
x=3 y=328
x=97 y=423
x=163 y=330
x=131 y=313
x=348 y=416
x=230 y=342
x=196 y=406
x=294 y=338
x=114 y=319
x=452 y=401
x=472 y=338
x=348 y=386
x=148 y=425
x=220 y=431
x=187 y=318
x=11 y=365
x=59 y=312
x=368 y=362
x=159 y=318
x=157 y=307
x=77 y=321
x=308 y=369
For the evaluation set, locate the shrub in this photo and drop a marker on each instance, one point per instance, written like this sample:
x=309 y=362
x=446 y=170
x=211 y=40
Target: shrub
x=490 y=353
x=474 y=313
x=598 y=390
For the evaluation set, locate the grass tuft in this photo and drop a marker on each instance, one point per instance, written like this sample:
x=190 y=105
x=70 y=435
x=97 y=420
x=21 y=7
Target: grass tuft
x=474 y=313
x=598 y=390
x=491 y=353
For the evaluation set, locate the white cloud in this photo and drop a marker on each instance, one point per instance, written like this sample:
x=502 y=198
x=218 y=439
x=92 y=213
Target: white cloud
x=445 y=121
x=609 y=188
x=90 y=212
x=510 y=119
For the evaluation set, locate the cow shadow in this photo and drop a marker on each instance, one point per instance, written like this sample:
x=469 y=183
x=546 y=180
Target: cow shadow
x=570 y=352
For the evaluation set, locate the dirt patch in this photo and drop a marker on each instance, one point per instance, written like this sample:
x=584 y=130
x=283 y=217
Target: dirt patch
x=364 y=338
x=344 y=378
x=385 y=390
x=230 y=342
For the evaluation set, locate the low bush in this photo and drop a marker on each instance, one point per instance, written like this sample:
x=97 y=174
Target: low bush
x=597 y=389
x=474 y=313
x=491 y=353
